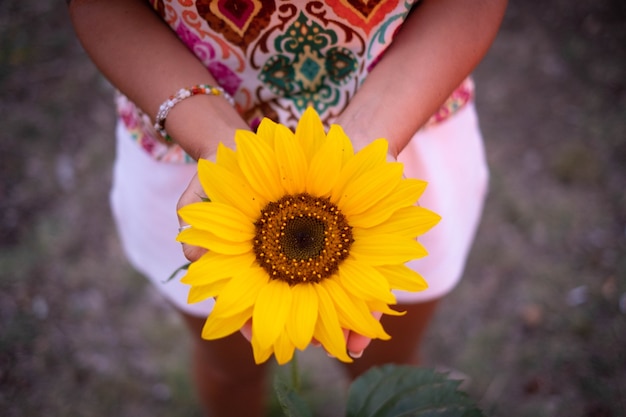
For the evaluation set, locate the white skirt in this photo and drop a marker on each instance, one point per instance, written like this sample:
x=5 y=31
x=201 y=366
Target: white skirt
x=450 y=156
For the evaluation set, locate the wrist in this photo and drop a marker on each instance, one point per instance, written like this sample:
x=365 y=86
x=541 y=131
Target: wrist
x=199 y=124
x=182 y=94
x=360 y=137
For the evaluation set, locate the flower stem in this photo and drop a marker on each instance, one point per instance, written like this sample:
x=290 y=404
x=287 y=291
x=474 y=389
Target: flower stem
x=295 y=374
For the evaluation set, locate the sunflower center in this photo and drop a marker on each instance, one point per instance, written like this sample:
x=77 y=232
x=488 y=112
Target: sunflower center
x=301 y=238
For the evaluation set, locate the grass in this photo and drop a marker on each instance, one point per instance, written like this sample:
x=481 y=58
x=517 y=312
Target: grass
x=537 y=325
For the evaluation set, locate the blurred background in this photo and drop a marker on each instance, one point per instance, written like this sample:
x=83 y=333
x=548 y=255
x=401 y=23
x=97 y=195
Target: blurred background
x=537 y=327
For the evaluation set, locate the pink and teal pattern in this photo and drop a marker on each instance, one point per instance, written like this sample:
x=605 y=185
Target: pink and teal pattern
x=278 y=57
x=307 y=68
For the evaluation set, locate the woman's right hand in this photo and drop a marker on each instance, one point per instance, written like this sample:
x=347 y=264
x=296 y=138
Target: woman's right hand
x=192 y=194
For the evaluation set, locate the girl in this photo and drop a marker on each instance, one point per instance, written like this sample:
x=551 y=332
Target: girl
x=392 y=69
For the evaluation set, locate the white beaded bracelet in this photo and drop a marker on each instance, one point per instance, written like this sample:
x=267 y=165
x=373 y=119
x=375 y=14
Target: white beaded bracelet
x=182 y=94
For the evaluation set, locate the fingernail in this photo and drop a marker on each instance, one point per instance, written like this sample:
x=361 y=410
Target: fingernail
x=330 y=355
x=355 y=355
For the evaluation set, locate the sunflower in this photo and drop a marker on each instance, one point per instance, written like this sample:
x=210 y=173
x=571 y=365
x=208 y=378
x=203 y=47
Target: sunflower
x=305 y=237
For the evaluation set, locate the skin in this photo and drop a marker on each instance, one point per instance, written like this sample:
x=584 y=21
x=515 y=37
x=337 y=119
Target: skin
x=397 y=98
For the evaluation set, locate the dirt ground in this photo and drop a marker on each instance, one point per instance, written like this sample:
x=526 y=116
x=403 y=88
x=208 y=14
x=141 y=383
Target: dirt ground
x=537 y=327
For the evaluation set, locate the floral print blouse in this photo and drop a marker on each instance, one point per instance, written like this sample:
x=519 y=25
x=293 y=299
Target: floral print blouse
x=278 y=57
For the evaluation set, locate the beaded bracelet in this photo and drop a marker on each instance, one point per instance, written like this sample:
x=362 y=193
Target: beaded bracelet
x=182 y=94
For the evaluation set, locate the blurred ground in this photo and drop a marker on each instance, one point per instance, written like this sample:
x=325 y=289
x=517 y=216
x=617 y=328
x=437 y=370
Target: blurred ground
x=538 y=325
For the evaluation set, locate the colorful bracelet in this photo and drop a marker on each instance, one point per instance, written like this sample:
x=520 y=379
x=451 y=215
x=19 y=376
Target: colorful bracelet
x=182 y=94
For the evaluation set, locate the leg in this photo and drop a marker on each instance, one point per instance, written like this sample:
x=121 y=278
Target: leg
x=228 y=381
x=406 y=334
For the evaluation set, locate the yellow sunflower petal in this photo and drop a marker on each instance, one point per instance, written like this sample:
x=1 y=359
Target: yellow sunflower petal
x=369 y=188
x=410 y=221
x=292 y=162
x=225 y=184
x=258 y=164
x=266 y=131
x=401 y=277
x=223 y=220
x=373 y=249
x=214 y=266
x=240 y=293
x=208 y=240
x=310 y=131
x=347 y=151
x=271 y=309
x=364 y=281
x=325 y=166
x=353 y=312
x=199 y=293
x=368 y=158
x=261 y=355
x=283 y=349
x=218 y=327
x=269 y=166
x=304 y=310
x=404 y=195
x=226 y=158
x=327 y=329
x=381 y=307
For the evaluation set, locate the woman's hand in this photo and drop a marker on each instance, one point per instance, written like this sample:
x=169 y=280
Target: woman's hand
x=356 y=343
x=192 y=194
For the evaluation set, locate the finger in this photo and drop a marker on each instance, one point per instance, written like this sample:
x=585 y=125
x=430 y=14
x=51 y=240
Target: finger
x=246 y=330
x=357 y=343
x=193 y=253
x=193 y=193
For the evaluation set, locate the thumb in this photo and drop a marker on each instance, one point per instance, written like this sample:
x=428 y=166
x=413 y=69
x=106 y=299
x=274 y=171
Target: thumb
x=192 y=194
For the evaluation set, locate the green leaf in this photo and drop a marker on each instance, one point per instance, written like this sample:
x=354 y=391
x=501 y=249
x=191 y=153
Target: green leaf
x=402 y=391
x=180 y=268
x=291 y=402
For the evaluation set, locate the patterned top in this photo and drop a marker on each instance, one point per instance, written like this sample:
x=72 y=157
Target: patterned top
x=278 y=57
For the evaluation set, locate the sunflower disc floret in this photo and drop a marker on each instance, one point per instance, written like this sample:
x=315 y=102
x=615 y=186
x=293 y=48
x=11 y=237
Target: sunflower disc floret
x=305 y=238
x=301 y=239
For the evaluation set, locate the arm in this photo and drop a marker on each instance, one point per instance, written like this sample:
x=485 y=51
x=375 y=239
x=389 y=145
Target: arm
x=144 y=59
x=440 y=43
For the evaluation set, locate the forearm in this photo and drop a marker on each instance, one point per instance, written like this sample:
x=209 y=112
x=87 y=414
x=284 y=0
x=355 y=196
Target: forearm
x=145 y=60
x=439 y=45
